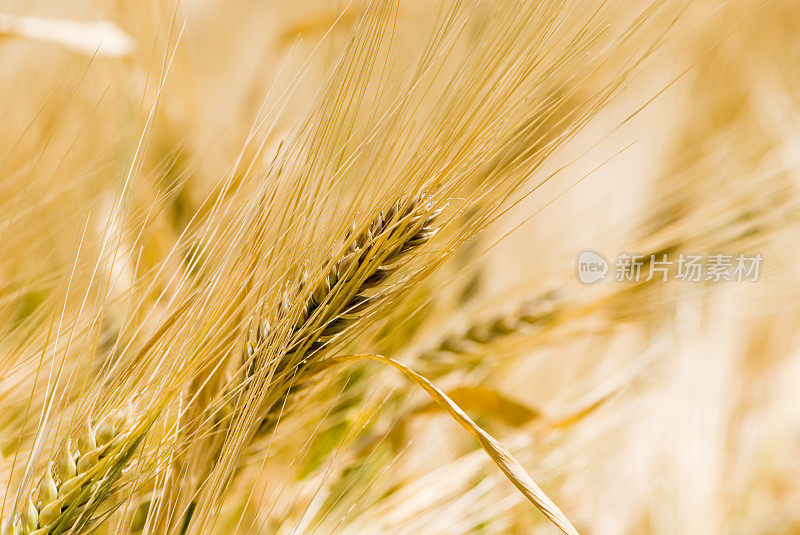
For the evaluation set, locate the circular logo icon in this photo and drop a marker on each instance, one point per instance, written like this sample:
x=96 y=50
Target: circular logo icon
x=591 y=267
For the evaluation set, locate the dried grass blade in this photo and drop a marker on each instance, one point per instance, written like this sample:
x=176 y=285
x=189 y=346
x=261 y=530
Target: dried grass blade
x=503 y=458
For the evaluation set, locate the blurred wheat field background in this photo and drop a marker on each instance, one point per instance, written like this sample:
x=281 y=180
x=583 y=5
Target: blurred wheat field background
x=311 y=267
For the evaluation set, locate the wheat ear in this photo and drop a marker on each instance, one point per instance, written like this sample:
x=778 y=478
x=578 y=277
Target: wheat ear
x=63 y=498
x=342 y=296
x=464 y=349
x=311 y=317
x=350 y=286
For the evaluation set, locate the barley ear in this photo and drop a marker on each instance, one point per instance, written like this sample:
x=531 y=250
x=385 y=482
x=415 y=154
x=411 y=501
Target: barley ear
x=68 y=490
